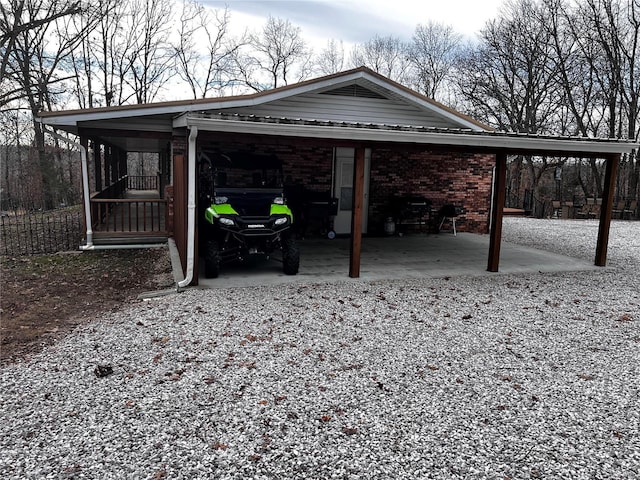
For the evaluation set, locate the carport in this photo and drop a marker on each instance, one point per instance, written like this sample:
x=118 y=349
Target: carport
x=366 y=136
x=414 y=143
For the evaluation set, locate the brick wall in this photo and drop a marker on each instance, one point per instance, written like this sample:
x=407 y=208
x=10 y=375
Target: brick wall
x=457 y=178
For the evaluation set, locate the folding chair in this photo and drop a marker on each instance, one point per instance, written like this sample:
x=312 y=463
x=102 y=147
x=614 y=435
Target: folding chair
x=450 y=212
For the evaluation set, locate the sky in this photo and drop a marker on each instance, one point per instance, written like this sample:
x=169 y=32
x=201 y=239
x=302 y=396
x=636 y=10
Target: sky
x=357 y=21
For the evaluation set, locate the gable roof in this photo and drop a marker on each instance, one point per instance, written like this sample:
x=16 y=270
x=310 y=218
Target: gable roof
x=357 y=104
x=358 y=95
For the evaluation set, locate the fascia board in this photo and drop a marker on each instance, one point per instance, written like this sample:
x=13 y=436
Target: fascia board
x=498 y=142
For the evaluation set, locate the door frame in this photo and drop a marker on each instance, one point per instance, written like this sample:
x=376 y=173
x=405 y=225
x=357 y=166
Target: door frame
x=341 y=154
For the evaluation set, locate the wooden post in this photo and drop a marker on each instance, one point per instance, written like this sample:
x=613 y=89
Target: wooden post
x=84 y=141
x=97 y=162
x=180 y=207
x=606 y=209
x=356 y=216
x=106 y=165
x=497 y=207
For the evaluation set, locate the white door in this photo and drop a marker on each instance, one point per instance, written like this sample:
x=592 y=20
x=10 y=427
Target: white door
x=343 y=188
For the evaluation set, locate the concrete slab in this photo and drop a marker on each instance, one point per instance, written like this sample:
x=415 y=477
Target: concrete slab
x=409 y=256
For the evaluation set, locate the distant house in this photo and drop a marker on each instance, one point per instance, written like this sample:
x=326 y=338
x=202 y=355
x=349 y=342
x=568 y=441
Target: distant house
x=357 y=136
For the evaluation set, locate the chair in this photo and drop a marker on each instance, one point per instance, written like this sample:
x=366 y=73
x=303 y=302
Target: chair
x=567 y=210
x=618 y=209
x=412 y=212
x=450 y=212
x=630 y=212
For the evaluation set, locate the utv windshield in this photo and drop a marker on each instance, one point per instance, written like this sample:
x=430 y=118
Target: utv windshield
x=248 y=172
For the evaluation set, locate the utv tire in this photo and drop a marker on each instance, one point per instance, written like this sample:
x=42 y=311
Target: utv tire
x=290 y=256
x=211 y=260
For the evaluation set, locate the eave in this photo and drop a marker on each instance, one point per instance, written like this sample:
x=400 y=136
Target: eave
x=455 y=139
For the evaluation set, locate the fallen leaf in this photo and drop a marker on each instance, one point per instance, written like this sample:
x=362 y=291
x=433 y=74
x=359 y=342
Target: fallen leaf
x=102 y=371
x=160 y=474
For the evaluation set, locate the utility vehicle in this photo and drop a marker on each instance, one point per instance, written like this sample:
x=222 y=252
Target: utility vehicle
x=244 y=212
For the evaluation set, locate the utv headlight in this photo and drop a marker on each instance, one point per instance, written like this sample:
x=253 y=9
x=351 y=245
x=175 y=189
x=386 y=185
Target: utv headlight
x=281 y=220
x=278 y=201
x=220 y=200
x=226 y=221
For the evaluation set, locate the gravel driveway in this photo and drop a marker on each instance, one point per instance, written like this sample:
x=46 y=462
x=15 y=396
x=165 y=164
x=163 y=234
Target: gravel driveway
x=499 y=377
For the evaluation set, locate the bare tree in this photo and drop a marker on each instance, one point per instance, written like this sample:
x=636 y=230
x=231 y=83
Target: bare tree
x=13 y=23
x=596 y=49
x=279 y=53
x=18 y=18
x=35 y=66
x=205 y=68
x=433 y=54
x=385 y=55
x=152 y=57
x=617 y=25
x=101 y=62
x=331 y=59
x=510 y=81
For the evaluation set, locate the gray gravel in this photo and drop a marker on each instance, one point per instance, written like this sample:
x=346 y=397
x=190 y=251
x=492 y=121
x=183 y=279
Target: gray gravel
x=502 y=376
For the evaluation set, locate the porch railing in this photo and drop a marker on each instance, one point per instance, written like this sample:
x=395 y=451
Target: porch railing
x=130 y=207
x=130 y=215
x=143 y=182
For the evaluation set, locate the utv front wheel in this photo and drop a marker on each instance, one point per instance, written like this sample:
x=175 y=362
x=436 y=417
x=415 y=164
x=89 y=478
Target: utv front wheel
x=290 y=256
x=211 y=260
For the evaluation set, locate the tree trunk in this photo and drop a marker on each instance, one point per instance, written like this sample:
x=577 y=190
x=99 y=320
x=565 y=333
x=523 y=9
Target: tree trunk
x=47 y=169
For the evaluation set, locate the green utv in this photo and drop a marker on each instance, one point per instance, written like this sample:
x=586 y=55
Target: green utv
x=243 y=212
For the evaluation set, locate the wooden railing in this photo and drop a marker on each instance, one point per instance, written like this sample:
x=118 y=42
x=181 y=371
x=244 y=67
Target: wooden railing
x=143 y=182
x=115 y=190
x=129 y=215
x=130 y=208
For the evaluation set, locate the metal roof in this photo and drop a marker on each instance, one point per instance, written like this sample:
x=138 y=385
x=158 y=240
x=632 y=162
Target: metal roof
x=474 y=140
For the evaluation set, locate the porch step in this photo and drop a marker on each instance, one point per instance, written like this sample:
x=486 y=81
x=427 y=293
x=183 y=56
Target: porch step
x=102 y=238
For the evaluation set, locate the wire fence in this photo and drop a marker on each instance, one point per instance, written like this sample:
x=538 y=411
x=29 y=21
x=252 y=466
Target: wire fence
x=41 y=233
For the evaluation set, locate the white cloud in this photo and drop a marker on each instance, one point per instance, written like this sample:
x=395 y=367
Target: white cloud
x=356 y=21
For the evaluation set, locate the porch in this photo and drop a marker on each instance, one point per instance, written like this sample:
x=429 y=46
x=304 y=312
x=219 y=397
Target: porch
x=130 y=211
